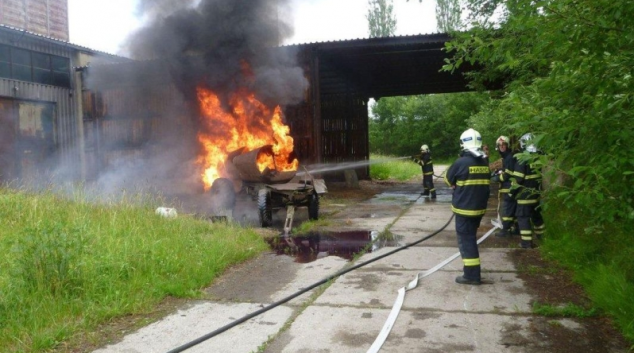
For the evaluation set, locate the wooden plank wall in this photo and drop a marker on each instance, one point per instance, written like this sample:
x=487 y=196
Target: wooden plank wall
x=345 y=131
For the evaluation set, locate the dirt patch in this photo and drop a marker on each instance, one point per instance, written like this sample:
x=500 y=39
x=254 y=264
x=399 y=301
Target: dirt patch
x=553 y=286
x=254 y=281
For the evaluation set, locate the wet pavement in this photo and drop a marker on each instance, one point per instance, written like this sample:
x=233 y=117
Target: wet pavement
x=347 y=313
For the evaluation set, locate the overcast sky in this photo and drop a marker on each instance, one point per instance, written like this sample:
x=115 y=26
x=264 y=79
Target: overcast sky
x=104 y=24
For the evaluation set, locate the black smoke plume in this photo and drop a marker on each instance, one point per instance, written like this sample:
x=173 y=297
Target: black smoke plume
x=189 y=44
x=209 y=43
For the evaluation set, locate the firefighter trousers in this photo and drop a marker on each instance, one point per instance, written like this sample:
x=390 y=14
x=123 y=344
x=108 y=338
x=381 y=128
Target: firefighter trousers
x=529 y=220
x=507 y=211
x=466 y=229
x=428 y=185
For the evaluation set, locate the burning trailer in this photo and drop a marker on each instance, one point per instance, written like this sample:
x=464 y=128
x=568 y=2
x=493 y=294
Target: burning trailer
x=255 y=174
x=246 y=149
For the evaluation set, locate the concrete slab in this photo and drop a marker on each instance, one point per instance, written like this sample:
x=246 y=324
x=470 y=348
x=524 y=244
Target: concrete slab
x=354 y=330
x=437 y=316
x=189 y=324
x=423 y=258
x=307 y=275
x=438 y=291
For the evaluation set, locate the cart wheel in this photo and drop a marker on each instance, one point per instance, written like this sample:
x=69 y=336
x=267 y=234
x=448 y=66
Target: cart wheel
x=313 y=206
x=264 y=207
x=223 y=196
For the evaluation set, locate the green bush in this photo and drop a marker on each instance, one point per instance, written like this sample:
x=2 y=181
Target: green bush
x=387 y=167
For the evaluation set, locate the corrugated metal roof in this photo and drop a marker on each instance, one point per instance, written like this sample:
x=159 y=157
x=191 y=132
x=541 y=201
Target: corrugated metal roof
x=56 y=41
x=374 y=67
x=364 y=39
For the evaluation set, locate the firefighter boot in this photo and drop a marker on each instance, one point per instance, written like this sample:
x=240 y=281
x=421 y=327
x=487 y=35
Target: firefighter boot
x=503 y=233
x=433 y=195
x=515 y=230
x=463 y=280
x=527 y=244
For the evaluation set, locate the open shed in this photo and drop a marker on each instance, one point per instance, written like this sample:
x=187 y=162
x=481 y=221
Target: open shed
x=329 y=126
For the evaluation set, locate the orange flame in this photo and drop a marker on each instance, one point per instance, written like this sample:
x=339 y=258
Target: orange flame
x=246 y=123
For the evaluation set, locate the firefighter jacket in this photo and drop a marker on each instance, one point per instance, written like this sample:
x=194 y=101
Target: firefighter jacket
x=508 y=165
x=470 y=177
x=527 y=183
x=426 y=163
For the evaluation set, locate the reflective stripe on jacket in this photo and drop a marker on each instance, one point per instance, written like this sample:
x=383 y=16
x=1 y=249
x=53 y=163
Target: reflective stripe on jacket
x=426 y=163
x=527 y=184
x=470 y=176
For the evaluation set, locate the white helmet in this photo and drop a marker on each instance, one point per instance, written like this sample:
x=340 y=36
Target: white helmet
x=502 y=139
x=424 y=148
x=471 y=140
x=526 y=143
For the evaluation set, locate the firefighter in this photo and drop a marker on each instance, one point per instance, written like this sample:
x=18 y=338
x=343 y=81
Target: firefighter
x=526 y=190
x=469 y=177
x=503 y=177
x=425 y=161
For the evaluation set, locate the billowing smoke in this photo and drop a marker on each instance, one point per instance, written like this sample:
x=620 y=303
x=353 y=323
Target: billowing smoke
x=210 y=43
x=192 y=43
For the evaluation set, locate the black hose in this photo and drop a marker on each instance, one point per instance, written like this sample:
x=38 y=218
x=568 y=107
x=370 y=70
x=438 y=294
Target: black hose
x=297 y=294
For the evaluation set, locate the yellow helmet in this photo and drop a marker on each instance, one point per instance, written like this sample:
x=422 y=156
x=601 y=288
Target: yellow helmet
x=424 y=149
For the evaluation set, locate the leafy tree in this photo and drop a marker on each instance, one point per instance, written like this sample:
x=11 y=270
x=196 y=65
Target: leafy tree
x=400 y=125
x=568 y=72
x=381 y=20
x=448 y=13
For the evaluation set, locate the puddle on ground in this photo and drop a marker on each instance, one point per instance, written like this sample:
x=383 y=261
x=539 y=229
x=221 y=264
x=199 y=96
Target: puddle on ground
x=443 y=196
x=308 y=248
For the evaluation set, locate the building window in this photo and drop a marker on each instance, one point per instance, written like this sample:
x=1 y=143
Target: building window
x=5 y=61
x=26 y=65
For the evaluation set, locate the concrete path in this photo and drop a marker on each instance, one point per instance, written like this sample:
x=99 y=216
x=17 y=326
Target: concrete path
x=348 y=313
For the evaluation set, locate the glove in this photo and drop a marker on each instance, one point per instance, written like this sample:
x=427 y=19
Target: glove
x=415 y=159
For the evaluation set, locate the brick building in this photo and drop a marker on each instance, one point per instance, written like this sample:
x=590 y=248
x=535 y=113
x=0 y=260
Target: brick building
x=46 y=17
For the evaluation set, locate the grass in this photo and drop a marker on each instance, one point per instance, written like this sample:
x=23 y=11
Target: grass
x=309 y=226
x=388 y=167
x=599 y=256
x=69 y=265
x=568 y=310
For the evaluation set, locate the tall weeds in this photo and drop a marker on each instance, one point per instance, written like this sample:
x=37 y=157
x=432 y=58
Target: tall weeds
x=69 y=265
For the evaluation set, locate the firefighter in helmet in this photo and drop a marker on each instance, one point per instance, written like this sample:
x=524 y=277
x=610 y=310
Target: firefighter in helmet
x=526 y=190
x=503 y=176
x=427 y=165
x=469 y=177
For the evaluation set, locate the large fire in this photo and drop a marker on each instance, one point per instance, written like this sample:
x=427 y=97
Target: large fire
x=244 y=122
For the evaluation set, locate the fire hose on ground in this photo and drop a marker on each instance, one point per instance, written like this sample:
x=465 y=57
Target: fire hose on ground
x=391 y=318
x=396 y=308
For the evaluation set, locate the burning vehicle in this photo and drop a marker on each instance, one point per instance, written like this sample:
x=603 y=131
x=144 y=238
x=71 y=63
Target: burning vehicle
x=248 y=150
x=200 y=110
x=271 y=188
